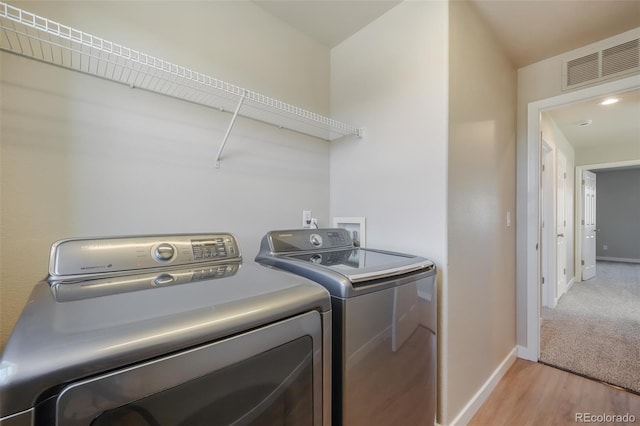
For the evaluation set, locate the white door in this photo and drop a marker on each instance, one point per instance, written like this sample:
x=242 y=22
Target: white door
x=588 y=225
x=547 y=227
x=561 y=225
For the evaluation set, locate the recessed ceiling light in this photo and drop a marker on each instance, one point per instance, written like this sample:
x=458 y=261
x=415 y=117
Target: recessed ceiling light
x=610 y=101
x=585 y=123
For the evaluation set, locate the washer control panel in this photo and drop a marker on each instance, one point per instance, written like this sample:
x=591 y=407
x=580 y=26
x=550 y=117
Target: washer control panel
x=105 y=256
x=308 y=240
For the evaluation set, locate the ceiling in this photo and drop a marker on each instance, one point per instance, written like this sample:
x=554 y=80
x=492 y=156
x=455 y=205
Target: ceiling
x=533 y=30
x=611 y=124
x=328 y=21
x=528 y=30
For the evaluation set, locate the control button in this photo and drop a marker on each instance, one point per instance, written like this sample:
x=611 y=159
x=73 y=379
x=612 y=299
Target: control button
x=316 y=258
x=163 y=279
x=197 y=253
x=316 y=240
x=164 y=252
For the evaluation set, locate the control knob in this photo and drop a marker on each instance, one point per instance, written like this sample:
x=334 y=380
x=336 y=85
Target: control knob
x=316 y=240
x=163 y=279
x=164 y=252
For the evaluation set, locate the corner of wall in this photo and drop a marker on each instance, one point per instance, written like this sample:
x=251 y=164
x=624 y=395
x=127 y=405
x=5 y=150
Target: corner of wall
x=474 y=404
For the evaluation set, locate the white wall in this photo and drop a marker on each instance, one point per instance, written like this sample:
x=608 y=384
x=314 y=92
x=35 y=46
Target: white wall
x=86 y=157
x=391 y=78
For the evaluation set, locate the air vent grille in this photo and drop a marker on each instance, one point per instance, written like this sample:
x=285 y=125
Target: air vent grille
x=621 y=58
x=600 y=65
x=583 y=69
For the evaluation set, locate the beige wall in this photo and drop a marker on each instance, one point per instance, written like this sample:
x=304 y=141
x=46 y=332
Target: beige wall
x=610 y=153
x=481 y=192
x=86 y=157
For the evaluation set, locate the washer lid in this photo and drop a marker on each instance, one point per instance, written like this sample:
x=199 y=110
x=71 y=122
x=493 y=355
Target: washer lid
x=361 y=265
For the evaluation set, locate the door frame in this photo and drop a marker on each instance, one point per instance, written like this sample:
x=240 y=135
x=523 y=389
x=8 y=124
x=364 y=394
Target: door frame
x=531 y=255
x=547 y=223
x=561 y=225
x=580 y=206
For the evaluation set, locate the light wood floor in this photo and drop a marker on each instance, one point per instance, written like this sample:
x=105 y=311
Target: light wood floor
x=536 y=394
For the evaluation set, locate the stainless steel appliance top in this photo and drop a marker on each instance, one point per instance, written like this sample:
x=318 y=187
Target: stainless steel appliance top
x=329 y=257
x=89 y=317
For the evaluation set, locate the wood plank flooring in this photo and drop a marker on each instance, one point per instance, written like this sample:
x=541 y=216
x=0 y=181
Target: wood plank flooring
x=535 y=394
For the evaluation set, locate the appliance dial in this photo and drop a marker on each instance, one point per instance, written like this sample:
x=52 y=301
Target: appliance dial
x=316 y=240
x=164 y=252
x=163 y=279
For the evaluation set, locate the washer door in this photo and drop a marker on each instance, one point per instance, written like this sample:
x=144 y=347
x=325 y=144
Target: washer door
x=271 y=375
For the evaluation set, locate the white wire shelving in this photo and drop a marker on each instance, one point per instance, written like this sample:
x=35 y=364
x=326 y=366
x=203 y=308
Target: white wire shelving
x=35 y=37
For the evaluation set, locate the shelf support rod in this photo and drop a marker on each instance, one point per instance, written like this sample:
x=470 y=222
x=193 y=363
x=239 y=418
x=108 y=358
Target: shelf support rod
x=233 y=120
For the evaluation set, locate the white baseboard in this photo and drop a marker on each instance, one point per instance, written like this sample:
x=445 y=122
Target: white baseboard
x=472 y=407
x=618 y=259
x=564 y=290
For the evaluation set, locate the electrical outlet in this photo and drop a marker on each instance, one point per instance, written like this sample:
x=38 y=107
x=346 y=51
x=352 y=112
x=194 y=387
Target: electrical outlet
x=605 y=247
x=306 y=218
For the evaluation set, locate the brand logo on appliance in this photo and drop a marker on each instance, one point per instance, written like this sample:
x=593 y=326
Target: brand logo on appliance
x=84 y=268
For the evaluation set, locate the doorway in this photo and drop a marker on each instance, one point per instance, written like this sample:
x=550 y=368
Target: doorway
x=590 y=224
x=531 y=254
x=592 y=330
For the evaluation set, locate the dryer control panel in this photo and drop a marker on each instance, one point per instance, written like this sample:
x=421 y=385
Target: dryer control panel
x=87 y=257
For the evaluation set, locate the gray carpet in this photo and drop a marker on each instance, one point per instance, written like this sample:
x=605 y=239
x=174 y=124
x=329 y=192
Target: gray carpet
x=595 y=329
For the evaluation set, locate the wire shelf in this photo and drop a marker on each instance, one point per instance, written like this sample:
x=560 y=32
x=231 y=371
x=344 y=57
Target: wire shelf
x=39 y=38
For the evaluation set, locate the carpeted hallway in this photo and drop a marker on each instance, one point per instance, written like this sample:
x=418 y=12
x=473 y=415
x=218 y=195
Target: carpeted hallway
x=595 y=329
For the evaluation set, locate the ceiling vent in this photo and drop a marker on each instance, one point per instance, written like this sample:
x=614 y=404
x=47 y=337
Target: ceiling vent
x=601 y=65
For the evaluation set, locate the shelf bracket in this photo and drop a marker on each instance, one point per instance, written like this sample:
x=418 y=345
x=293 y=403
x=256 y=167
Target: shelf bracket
x=226 y=135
